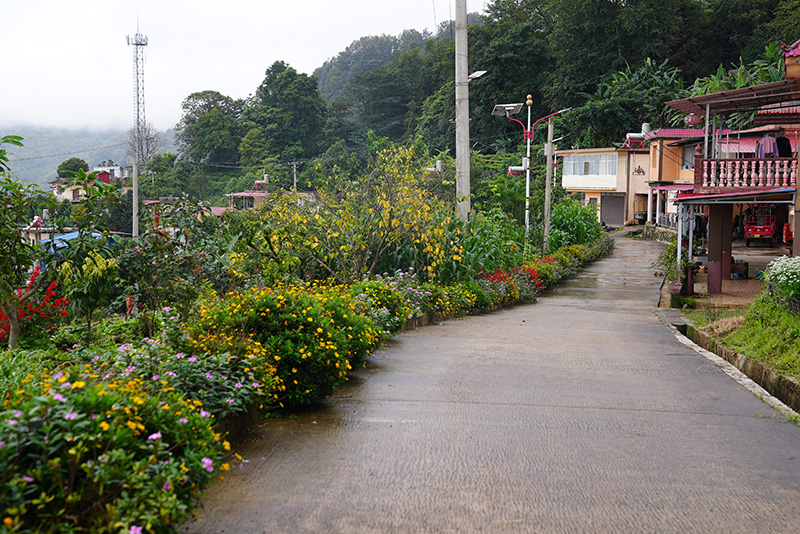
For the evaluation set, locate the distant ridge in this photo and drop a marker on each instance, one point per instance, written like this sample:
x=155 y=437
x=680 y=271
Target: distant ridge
x=46 y=148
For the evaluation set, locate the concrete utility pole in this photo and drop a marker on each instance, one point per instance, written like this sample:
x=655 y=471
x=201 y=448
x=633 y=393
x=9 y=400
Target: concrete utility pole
x=548 y=182
x=462 y=114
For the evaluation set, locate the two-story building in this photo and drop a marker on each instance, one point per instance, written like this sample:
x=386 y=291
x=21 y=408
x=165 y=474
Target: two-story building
x=615 y=179
x=728 y=176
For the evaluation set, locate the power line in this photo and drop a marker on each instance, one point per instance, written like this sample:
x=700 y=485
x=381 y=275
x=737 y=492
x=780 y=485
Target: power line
x=74 y=153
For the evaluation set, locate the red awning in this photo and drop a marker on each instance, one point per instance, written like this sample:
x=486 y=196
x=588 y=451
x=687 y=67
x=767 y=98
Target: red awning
x=747 y=145
x=674 y=187
x=746 y=196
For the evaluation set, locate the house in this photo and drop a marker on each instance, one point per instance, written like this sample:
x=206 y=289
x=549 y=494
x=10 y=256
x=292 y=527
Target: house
x=258 y=195
x=729 y=177
x=615 y=179
x=672 y=152
x=64 y=190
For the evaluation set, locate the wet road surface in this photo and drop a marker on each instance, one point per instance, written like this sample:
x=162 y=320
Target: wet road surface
x=581 y=413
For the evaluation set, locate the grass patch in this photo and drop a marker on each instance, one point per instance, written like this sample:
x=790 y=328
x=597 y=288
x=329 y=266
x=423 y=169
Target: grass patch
x=770 y=334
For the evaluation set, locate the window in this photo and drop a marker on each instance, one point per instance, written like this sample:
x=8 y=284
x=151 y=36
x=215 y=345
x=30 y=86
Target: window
x=591 y=165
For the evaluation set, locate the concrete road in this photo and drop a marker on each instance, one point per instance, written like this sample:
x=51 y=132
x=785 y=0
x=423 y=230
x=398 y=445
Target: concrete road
x=581 y=413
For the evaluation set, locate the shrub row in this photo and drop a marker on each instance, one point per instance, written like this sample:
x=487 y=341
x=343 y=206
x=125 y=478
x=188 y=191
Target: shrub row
x=121 y=438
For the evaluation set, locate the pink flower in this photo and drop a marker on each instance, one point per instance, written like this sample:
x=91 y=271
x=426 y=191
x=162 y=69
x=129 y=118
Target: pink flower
x=153 y=437
x=183 y=420
x=27 y=479
x=135 y=530
x=59 y=397
x=204 y=413
x=208 y=464
x=71 y=416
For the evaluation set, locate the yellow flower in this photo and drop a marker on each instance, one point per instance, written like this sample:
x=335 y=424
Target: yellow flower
x=226 y=445
x=225 y=467
x=104 y=425
x=8 y=522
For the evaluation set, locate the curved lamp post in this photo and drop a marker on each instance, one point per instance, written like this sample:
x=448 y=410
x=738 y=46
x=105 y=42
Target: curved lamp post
x=512 y=109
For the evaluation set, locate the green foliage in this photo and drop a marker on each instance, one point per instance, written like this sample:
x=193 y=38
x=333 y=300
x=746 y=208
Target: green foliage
x=770 y=335
x=489 y=241
x=179 y=250
x=87 y=286
x=573 y=223
x=80 y=455
x=71 y=167
x=19 y=253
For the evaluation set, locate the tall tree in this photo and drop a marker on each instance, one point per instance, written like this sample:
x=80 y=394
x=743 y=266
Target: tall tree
x=208 y=130
x=70 y=166
x=289 y=110
x=150 y=143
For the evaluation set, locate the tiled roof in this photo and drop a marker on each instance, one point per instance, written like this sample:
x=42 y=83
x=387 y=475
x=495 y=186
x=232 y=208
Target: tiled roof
x=680 y=133
x=791 y=50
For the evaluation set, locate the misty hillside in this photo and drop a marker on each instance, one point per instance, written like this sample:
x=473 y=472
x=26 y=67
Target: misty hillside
x=46 y=148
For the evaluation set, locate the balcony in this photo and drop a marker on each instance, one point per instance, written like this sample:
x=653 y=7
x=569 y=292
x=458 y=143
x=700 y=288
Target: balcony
x=713 y=176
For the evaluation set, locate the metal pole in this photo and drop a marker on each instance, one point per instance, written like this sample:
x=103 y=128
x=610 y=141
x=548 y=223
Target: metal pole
x=705 y=133
x=528 y=177
x=462 y=114
x=680 y=239
x=135 y=230
x=547 y=183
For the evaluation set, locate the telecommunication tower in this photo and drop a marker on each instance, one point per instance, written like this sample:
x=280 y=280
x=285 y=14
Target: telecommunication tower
x=138 y=42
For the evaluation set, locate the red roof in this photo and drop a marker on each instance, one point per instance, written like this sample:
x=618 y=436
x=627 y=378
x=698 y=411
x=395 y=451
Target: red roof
x=679 y=133
x=791 y=50
x=251 y=193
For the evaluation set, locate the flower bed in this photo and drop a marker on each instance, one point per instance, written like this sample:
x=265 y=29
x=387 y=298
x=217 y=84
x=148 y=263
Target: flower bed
x=122 y=439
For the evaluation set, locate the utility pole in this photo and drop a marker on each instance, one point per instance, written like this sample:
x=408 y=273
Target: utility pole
x=548 y=182
x=294 y=165
x=138 y=42
x=462 y=114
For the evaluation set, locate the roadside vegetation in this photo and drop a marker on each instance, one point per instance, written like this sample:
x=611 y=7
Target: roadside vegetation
x=768 y=331
x=126 y=355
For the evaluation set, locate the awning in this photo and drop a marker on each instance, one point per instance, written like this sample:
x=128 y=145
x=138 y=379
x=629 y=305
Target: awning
x=774 y=196
x=249 y=194
x=747 y=145
x=739 y=99
x=674 y=187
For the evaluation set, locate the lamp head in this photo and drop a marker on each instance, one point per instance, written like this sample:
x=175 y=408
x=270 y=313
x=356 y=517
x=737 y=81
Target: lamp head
x=504 y=110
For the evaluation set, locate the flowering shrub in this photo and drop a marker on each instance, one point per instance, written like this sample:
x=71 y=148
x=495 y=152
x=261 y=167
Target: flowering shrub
x=381 y=303
x=783 y=276
x=308 y=338
x=78 y=454
x=36 y=318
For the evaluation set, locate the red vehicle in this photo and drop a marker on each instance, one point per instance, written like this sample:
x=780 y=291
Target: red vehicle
x=760 y=224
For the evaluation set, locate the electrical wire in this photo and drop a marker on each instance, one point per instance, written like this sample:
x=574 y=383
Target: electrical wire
x=73 y=153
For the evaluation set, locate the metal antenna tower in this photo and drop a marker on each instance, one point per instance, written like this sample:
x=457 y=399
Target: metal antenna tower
x=138 y=42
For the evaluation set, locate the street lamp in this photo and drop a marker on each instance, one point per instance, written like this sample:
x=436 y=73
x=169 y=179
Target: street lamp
x=512 y=109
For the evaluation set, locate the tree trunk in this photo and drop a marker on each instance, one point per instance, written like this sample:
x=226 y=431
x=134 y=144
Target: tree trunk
x=10 y=309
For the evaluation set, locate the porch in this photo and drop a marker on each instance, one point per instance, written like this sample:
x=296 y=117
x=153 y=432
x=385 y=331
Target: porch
x=718 y=176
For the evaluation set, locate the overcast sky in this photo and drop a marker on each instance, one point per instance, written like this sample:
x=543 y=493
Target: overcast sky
x=67 y=63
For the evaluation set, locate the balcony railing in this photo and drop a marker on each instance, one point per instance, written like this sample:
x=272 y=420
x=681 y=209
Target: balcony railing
x=727 y=175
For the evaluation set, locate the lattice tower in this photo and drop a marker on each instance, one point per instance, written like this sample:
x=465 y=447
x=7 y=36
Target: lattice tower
x=138 y=42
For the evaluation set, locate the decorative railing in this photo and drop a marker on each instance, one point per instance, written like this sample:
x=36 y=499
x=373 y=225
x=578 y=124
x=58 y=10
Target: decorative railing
x=720 y=175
